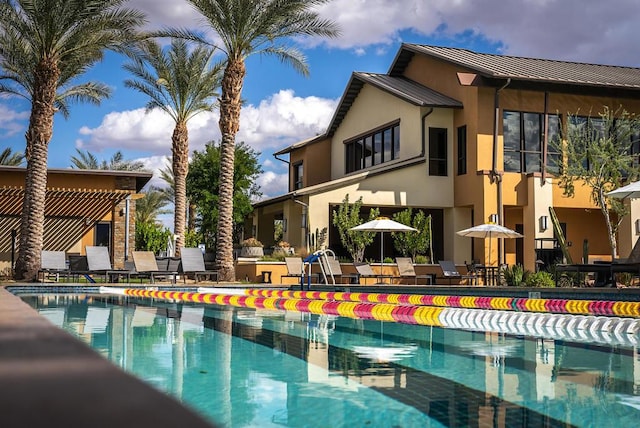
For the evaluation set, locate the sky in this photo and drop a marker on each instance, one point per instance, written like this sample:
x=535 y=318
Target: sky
x=283 y=107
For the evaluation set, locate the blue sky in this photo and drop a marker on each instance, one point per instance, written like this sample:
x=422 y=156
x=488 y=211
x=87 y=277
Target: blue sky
x=284 y=107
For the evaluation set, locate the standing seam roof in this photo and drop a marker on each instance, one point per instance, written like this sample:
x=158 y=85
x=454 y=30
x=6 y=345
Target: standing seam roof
x=503 y=66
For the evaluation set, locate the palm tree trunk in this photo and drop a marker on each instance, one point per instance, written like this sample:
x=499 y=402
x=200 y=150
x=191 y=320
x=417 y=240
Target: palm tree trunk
x=35 y=187
x=180 y=141
x=230 y=104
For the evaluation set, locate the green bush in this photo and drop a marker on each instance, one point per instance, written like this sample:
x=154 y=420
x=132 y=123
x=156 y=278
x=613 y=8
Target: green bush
x=151 y=236
x=421 y=260
x=540 y=279
x=514 y=275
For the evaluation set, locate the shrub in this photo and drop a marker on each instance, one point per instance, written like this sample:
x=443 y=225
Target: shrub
x=540 y=279
x=421 y=260
x=251 y=242
x=514 y=275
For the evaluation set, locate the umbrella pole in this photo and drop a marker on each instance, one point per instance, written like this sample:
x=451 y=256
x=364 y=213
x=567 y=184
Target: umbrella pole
x=381 y=252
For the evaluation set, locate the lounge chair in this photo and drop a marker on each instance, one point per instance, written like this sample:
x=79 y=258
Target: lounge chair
x=99 y=263
x=366 y=271
x=406 y=270
x=450 y=272
x=146 y=266
x=192 y=262
x=296 y=268
x=332 y=270
x=53 y=263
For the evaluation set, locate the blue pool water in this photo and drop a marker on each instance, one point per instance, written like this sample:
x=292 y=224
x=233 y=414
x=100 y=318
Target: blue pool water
x=244 y=367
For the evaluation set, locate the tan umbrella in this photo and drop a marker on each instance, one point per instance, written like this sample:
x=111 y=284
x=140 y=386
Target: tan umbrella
x=383 y=224
x=489 y=231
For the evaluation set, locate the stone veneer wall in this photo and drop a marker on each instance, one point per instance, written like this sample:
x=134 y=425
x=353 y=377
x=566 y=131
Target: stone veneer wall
x=119 y=224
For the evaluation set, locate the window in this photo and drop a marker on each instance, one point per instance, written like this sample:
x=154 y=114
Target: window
x=523 y=137
x=462 y=150
x=298 y=172
x=438 y=152
x=373 y=148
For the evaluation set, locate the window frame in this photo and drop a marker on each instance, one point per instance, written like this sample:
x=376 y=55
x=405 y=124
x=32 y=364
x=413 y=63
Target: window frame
x=462 y=149
x=438 y=152
x=377 y=154
x=298 y=175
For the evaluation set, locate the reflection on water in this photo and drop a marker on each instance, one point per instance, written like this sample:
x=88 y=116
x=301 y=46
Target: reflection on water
x=247 y=367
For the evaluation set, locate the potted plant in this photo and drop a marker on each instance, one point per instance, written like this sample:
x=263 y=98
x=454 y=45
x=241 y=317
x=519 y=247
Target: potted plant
x=251 y=247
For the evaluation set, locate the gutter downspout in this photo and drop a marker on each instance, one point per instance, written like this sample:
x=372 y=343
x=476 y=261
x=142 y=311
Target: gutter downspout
x=424 y=132
x=495 y=175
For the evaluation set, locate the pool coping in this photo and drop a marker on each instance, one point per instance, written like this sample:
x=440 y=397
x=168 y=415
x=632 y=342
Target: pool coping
x=50 y=378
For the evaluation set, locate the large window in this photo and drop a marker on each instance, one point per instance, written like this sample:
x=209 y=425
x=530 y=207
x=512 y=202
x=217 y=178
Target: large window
x=298 y=172
x=523 y=135
x=373 y=148
x=438 y=151
x=462 y=150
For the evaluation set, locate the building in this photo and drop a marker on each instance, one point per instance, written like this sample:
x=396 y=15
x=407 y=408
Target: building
x=83 y=207
x=463 y=136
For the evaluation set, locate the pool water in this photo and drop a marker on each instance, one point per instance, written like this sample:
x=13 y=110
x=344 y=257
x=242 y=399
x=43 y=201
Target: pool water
x=242 y=367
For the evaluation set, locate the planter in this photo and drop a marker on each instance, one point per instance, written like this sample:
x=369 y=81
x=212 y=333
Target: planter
x=251 y=252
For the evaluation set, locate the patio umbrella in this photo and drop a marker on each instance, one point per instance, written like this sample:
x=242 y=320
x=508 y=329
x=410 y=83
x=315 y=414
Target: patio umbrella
x=631 y=190
x=383 y=224
x=490 y=231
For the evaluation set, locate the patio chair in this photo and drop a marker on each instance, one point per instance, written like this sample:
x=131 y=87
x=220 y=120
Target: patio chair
x=99 y=263
x=53 y=263
x=406 y=270
x=146 y=266
x=192 y=262
x=332 y=269
x=296 y=268
x=450 y=272
x=366 y=271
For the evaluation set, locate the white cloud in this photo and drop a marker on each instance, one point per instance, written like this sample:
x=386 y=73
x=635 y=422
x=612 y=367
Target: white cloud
x=12 y=121
x=273 y=184
x=280 y=120
x=580 y=30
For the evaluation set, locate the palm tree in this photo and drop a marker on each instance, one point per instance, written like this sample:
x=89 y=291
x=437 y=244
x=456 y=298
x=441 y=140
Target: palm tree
x=248 y=27
x=44 y=46
x=7 y=157
x=87 y=160
x=151 y=206
x=166 y=174
x=182 y=82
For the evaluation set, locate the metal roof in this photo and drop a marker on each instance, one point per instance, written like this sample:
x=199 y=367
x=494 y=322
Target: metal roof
x=522 y=68
x=398 y=86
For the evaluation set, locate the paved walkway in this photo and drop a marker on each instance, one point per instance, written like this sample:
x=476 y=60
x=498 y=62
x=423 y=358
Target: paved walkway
x=50 y=378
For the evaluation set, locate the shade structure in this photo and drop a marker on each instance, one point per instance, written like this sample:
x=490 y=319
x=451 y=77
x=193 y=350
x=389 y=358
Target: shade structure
x=489 y=231
x=383 y=224
x=631 y=190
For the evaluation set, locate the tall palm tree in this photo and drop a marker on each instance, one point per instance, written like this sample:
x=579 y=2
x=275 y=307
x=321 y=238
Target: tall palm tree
x=182 y=82
x=44 y=46
x=166 y=174
x=7 y=157
x=87 y=160
x=248 y=27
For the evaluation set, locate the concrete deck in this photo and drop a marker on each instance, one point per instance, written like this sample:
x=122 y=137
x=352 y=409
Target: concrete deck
x=50 y=378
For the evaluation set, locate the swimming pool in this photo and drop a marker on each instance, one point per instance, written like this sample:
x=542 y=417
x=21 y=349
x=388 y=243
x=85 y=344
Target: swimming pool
x=245 y=367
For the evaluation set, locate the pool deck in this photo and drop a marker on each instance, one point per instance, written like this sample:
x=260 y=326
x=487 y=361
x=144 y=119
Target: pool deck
x=50 y=378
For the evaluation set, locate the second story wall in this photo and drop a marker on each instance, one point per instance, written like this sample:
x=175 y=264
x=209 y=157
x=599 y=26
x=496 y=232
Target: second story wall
x=316 y=163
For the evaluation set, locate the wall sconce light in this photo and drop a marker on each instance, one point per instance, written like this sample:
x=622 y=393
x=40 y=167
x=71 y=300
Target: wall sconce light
x=638 y=226
x=493 y=218
x=121 y=212
x=544 y=223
